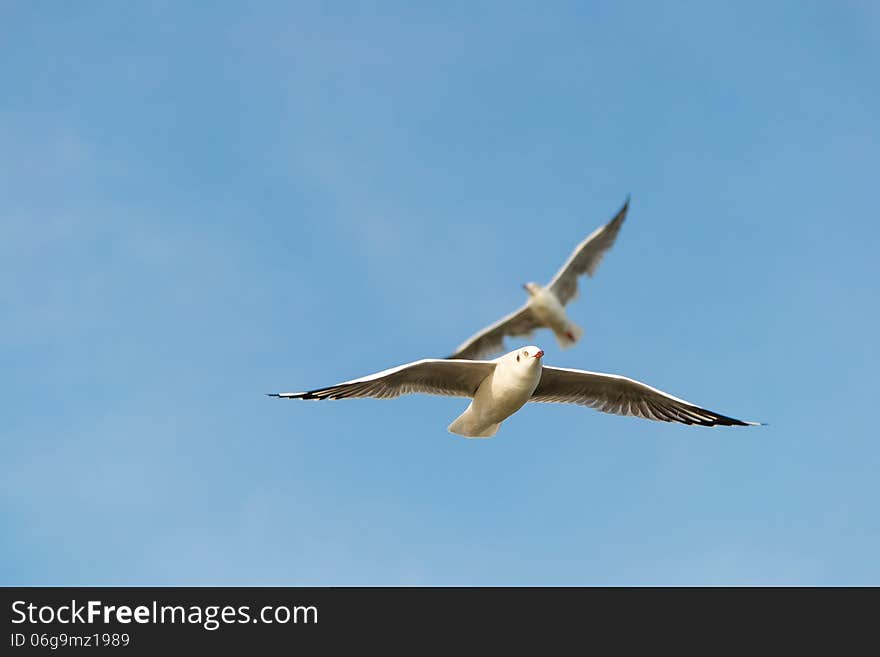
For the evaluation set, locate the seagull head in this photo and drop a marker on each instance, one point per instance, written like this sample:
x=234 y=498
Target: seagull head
x=527 y=357
x=532 y=289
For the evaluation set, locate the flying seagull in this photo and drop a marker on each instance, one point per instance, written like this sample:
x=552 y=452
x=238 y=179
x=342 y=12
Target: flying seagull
x=500 y=387
x=546 y=305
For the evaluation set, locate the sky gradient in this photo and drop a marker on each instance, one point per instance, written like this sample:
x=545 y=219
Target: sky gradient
x=201 y=204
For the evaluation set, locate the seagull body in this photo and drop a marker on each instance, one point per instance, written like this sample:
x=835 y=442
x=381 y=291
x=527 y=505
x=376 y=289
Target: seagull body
x=502 y=393
x=499 y=388
x=545 y=306
x=547 y=309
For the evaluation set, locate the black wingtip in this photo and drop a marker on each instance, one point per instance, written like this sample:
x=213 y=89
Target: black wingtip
x=624 y=209
x=272 y=394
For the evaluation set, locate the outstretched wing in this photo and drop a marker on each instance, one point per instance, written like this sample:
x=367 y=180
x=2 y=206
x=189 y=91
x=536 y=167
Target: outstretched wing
x=454 y=378
x=490 y=340
x=610 y=393
x=586 y=257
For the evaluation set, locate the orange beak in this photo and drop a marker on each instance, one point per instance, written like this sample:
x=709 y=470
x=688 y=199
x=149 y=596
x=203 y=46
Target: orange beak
x=539 y=353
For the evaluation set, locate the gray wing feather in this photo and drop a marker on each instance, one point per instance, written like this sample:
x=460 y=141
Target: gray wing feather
x=610 y=393
x=453 y=378
x=490 y=340
x=586 y=257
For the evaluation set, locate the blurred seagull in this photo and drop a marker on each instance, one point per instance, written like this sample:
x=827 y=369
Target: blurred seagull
x=500 y=387
x=545 y=306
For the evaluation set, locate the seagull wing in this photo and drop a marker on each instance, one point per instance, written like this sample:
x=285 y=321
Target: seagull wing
x=490 y=340
x=586 y=257
x=610 y=393
x=453 y=378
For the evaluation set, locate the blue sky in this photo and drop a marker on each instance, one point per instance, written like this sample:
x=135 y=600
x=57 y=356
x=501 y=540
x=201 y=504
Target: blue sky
x=202 y=204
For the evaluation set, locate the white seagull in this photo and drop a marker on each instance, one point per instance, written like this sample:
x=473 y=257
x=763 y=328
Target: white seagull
x=500 y=387
x=546 y=305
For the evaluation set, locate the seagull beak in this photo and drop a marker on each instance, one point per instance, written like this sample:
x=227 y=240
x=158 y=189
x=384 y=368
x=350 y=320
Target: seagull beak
x=539 y=353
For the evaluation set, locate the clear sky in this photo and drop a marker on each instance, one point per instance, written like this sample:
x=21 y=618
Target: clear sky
x=201 y=203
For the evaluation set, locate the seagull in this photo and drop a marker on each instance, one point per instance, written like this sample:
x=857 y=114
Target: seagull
x=546 y=305
x=500 y=387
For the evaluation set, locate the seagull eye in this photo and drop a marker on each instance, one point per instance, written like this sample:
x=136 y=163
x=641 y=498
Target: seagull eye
x=526 y=354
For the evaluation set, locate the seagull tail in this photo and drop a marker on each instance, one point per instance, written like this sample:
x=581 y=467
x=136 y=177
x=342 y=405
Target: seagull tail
x=568 y=337
x=468 y=424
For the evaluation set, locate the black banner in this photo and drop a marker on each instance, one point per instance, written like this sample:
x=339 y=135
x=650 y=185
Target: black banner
x=153 y=620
